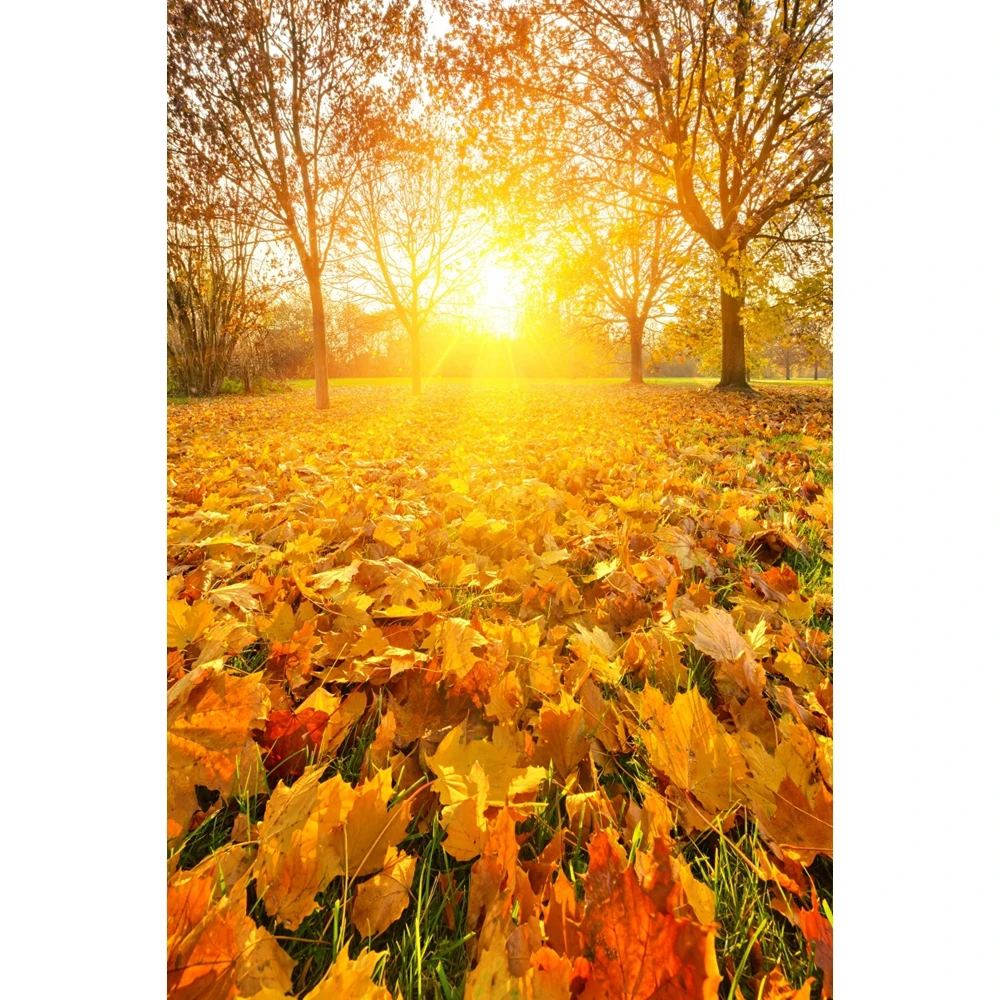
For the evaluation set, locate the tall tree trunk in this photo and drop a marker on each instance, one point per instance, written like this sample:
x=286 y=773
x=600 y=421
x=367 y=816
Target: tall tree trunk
x=734 y=362
x=319 y=341
x=415 y=360
x=635 y=330
x=815 y=370
x=788 y=369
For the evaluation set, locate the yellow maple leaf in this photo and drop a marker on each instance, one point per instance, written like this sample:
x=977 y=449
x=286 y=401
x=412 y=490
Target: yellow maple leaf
x=187 y=622
x=385 y=531
x=372 y=828
x=350 y=979
x=297 y=856
x=465 y=821
x=381 y=900
x=562 y=736
x=686 y=742
x=452 y=763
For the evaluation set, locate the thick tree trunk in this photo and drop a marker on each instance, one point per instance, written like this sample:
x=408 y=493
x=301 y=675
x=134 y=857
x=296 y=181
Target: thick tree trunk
x=319 y=341
x=635 y=330
x=788 y=367
x=815 y=370
x=415 y=361
x=734 y=363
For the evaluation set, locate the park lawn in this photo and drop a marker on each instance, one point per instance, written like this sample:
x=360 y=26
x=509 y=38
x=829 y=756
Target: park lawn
x=537 y=642
x=701 y=382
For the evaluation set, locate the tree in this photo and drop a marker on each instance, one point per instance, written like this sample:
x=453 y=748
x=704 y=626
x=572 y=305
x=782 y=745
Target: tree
x=286 y=94
x=416 y=239
x=730 y=100
x=812 y=296
x=289 y=342
x=216 y=298
x=626 y=247
x=359 y=336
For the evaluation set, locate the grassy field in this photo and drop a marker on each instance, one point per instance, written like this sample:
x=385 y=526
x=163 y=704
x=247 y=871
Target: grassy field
x=705 y=383
x=509 y=689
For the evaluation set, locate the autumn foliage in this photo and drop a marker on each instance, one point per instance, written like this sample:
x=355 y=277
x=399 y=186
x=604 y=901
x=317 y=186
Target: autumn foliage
x=576 y=628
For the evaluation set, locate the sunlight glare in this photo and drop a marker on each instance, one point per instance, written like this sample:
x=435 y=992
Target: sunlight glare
x=497 y=298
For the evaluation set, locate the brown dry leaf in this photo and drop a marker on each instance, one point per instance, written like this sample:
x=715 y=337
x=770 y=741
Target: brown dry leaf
x=716 y=635
x=209 y=717
x=769 y=544
x=382 y=899
x=421 y=710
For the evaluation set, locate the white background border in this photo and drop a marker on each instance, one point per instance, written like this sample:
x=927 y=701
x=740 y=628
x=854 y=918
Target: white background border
x=916 y=524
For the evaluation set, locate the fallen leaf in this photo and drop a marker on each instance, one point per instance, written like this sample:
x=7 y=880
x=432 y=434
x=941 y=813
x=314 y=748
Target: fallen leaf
x=209 y=717
x=300 y=844
x=453 y=761
x=214 y=949
x=799 y=829
x=381 y=900
x=350 y=979
x=637 y=950
x=562 y=736
x=686 y=743
x=187 y=622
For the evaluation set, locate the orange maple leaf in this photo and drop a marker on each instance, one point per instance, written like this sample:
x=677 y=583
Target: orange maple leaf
x=639 y=951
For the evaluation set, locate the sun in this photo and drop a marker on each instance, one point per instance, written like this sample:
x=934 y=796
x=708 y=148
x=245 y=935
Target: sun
x=497 y=298
x=498 y=284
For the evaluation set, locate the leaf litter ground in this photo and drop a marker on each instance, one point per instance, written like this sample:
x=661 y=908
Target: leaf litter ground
x=508 y=690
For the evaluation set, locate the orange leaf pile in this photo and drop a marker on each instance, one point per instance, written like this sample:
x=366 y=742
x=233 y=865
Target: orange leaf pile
x=558 y=625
